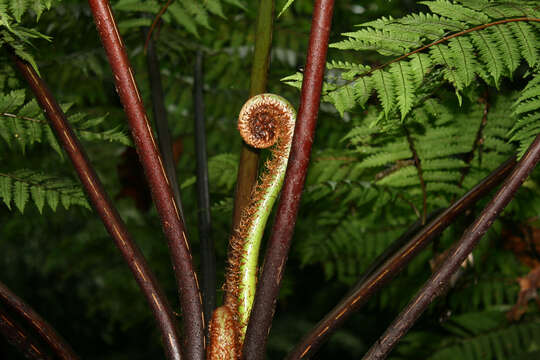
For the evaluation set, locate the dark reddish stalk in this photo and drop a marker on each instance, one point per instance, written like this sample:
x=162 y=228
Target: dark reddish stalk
x=439 y=280
x=208 y=254
x=154 y=23
x=391 y=262
x=103 y=206
x=249 y=157
x=19 y=338
x=162 y=125
x=173 y=226
x=282 y=231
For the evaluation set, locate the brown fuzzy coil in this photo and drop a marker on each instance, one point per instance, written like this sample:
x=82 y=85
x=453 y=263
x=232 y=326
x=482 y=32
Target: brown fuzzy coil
x=260 y=120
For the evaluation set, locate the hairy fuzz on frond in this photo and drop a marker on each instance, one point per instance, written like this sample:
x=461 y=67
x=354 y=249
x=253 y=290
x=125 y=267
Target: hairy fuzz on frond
x=265 y=120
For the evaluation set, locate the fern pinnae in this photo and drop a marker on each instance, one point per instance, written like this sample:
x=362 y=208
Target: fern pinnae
x=527 y=110
x=442 y=55
x=419 y=65
x=527 y=41
x=488 y=53
x=464 y=59
x=455 y=53
x=405 y=87
x=23 y=123
x=20 y=184
x=456 y=12
x=385 y=90
x=507 y=46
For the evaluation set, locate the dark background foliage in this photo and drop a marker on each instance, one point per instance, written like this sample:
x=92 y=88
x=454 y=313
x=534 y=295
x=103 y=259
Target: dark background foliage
x=64 y=264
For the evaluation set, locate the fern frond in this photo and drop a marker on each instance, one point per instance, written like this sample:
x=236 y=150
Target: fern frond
x=405 y=87
x=384 y=84
x=467 y=41
x=353 y=242
x=18 y=8
x=222 y=171
x=24 y=124
x=456 y=12
x=17 y=187
x=527 y=111
x=508 y=47
x=528 y=42
x=481 y=336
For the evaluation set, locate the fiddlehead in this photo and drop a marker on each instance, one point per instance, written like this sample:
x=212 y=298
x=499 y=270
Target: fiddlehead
x=266 y=120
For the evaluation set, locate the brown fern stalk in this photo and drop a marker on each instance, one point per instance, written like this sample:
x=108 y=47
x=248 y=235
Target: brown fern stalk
x=26 y=344
x=438 y=282
x=106 y=211
x=282 y=231
x=165 y=142
x=17 y=334
x=391 y=262
x=173 y=226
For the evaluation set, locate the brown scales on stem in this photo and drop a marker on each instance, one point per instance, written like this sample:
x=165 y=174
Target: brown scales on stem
x=263 y=122
x=267 y=127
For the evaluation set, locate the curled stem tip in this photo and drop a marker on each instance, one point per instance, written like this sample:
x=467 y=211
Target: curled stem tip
x=263 y=118
x=266 y=120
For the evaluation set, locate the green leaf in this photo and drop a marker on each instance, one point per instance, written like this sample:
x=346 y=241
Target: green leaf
x=527 y=39
x=285 y=7
x=20 y=195
x=38 y=195
x=183 y=18
x=53 y=198
x=214 y=6
x=456 y=12
x=383 y=83
x=18 y=7
x=343 y=99
x=11 y=101
x=198 y=12
x=405 y=87
x=508 y=48
x=489 y=54
x=5 y=190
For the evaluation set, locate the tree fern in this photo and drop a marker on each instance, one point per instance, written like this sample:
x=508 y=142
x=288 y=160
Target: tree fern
x=20 y=186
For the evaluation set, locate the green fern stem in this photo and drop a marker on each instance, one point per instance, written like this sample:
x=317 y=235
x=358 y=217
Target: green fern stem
x=265 y=120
